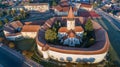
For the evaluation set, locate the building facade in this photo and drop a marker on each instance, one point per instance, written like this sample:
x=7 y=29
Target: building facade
x=40 y=7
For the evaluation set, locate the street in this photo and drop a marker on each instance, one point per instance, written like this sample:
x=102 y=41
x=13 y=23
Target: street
x=112 y=20
x=114 y=36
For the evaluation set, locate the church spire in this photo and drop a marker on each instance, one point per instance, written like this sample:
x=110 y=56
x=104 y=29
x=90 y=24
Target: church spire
x=70 y=13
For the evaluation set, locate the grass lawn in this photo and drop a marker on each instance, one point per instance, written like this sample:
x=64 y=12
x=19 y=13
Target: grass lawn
x=25 y=44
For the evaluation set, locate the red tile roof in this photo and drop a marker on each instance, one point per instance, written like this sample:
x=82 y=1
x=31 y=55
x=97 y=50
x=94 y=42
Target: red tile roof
x=64 y=7
x=71 y=33
x=78 y=29
x=30 y=28
x=63 y=29
x=86 y=5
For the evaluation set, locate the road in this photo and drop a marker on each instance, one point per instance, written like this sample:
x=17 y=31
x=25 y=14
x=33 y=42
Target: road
x=11 y=58
x=114 y=36
x=112 y=20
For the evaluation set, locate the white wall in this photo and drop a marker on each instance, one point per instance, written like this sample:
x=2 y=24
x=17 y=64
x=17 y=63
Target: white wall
x=57 y=55
x=13 y=38
x=29 y=34
x=70 y=24
x=41 y=8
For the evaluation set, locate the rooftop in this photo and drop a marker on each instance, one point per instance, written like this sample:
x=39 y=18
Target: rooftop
x=30 y=28
x=64 y=7
x=86 y=5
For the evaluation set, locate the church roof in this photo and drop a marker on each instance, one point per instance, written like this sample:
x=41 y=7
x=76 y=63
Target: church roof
x=70 y=13
x=63 y=29
x=78 y=29
x=71 y=33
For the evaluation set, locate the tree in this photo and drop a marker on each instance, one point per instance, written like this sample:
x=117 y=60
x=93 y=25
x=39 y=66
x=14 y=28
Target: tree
x=23 y=14
x=1 y=14
x=1 y=23
x=50 y=35
x=27 y=54
x=6 y=20
x=56 y=26
x=54 y=3
x=90 y=42
x=1 y=39
x=88 y=25
x=12 y=12
x=11 y=45
x=8 y=12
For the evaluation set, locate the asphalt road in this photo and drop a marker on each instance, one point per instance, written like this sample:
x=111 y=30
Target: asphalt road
x=114 y=37
x=112 y=20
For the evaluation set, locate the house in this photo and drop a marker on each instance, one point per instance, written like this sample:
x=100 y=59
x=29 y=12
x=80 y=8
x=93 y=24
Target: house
x=87 y=7
x=37 y=7
x=30 y=31
x=12 y=30
x=63 y=7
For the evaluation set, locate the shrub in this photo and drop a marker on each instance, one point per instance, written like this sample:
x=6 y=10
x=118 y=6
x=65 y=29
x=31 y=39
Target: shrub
x=11 y=45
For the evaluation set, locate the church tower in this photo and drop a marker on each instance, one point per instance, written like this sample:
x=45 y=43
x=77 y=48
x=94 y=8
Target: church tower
x=70 y=20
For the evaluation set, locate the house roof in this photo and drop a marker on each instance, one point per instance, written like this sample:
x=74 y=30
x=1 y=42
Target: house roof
x=64 y=7
x=63 y=29
x=16 y=24
x=63 y=0
x=71 y=33
x=30 y=28
x=19 y=23
x=78 y=29
x=86 y=5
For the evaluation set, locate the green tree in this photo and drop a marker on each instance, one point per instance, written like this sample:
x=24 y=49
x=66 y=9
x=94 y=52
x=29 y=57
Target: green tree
x=54 y=3
x=88 y=25
x=1 y=23
x=12 y=12
x=8 y=12
x=6 y=20
x=16 y=18
x=1 y=39
x=91 y=41
x=11 y=45
x=27 y=54
x=56 y=26
x=50 y=35
x=89 y=29
x=23 y=14
x=1 y=14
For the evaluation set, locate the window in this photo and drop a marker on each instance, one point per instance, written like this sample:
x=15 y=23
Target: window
x=61 y=59
x=78 y=60
x=69 y=59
